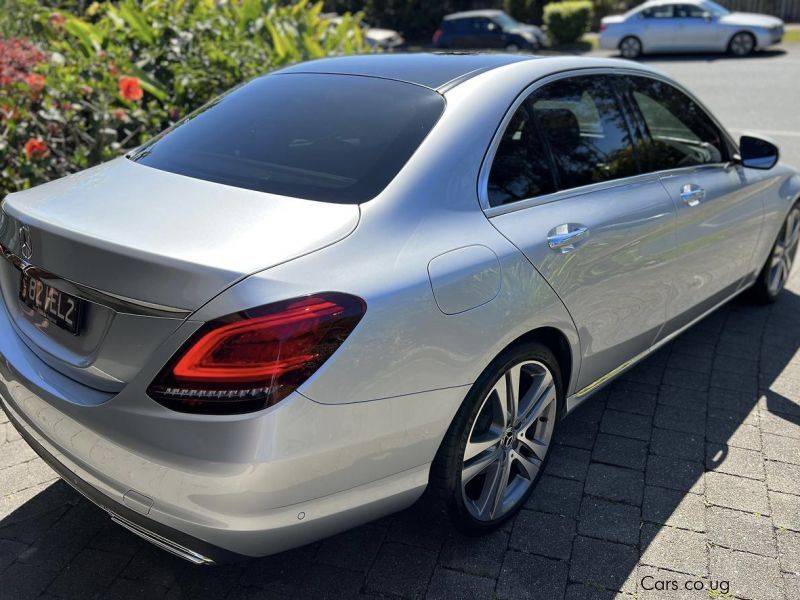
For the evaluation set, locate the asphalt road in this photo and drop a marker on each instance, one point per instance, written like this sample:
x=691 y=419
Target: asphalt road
x=759 y=94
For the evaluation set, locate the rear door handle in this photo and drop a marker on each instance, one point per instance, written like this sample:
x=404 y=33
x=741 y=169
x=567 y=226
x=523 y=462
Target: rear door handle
x=692 y=194
x=564 y=237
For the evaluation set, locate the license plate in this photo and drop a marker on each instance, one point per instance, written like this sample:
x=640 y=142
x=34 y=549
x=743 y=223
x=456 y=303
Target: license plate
x=59 y=308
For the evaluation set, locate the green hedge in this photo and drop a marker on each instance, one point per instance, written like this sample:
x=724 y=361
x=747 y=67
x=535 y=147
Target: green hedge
x=568 y=21
x=104 y=77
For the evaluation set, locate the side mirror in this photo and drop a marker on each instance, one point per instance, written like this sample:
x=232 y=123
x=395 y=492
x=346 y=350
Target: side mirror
x=708 y=17
x=491 y=27
x=757 y=153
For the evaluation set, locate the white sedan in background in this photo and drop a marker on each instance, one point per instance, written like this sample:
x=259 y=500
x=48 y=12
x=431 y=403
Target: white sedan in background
x=688 y=26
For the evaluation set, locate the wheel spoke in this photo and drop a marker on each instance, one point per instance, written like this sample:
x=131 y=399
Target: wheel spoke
x=499 y=486
x=478 y=465
x=529 y=465
x=536 y=447
x=501 y=391
x=481 y=443
x=537 y=399
x=514 y=383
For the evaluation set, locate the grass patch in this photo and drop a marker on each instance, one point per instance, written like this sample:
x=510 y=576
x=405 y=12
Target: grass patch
x=791 y=36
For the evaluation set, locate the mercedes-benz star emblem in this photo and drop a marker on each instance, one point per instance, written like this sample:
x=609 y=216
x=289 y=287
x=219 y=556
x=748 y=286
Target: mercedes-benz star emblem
x=25 y=242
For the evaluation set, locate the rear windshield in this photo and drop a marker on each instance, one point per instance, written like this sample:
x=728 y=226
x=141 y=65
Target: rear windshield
x=333 y=138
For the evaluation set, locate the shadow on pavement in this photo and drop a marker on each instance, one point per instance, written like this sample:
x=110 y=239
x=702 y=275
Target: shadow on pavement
x=630 y=480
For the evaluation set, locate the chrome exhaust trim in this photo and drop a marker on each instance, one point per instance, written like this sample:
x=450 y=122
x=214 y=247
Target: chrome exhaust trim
x=193 y=557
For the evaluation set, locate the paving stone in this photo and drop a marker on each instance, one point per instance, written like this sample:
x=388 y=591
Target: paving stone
x=615 y=483
x=155 y=566
x=779 y=425
x=610 y=521
x=606 y=564
x=739 y=493
x=674 y=473
x=577 y=433
x=748 y=417
x=691 y=400
x=455 y=585
x=13 y=454
x=734 y=365
x=481 y=555
x=590 y=410
x=677 y=444
x=696 y=347
x=674 y=549
x=24 y=582
x=735 y=461
x=690 y=362
x=682 y=378
x=401 y=570
x=354 y=549
x=579 y=591
x=543 y=533
x=88 y=575
x=785 y=510
x=645 y=373
x=125 y=589
x=626 y=424
x=779 y=404
x=791 y=584
x=740 y=381
x=735 y=401
x=9 y=551
x=620 y=451
x=556 y=495
x=730 y=433
x=739 y=530
x=418 y=526
x=32 y=528
x=568 y=462
x=781 y=477
x=525 y=576
x=637 y=402
x=674 y=508
x=781 y=448
x=680 y=419
x=282 y=573
x=19 y=477
x=327 y=581
x=200 y=583
x=789 y=550
x=750 y=576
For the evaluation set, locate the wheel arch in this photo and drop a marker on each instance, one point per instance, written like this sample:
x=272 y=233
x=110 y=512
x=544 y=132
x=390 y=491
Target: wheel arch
x=737 y=32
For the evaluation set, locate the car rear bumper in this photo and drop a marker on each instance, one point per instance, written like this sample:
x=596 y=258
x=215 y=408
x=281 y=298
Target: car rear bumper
x=209 y=488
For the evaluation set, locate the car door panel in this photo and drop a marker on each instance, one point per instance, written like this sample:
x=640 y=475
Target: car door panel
x=603 y=240
x=613 y=283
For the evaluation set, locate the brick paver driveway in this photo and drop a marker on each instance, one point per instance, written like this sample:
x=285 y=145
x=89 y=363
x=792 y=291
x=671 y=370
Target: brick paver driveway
x=686 y=470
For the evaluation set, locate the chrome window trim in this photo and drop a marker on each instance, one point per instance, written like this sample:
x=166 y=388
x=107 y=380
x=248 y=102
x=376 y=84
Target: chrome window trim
x=489 y=156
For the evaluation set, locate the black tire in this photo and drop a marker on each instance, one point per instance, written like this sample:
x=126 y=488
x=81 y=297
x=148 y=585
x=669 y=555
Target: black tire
x=513 y=48
x=764 y=290
x=630 y=47
x=742 y=43
x=444 y=492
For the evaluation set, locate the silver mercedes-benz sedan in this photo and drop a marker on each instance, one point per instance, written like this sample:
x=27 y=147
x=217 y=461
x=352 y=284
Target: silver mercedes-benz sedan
x=355 y=279
x=688 y=26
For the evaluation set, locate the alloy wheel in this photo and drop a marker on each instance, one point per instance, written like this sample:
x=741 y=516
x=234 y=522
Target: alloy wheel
x=630 y=47
x=784 y=253
x=509 y=440
x=742 y=44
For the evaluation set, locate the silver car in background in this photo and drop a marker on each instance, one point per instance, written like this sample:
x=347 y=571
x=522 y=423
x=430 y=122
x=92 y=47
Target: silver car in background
x=688 y=26
x=357 y=279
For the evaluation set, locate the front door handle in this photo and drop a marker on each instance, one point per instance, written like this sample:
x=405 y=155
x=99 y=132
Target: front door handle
x=692 y=194
x=564 y=237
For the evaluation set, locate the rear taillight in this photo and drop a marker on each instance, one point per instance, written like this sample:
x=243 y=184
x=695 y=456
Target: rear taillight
x=436 y=35
x=252 y=360
x=603 y=26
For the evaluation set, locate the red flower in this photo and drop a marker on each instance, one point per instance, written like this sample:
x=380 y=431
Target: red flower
x=35 y=82
x=130 y=89
x=36 y=149
x=120 y=114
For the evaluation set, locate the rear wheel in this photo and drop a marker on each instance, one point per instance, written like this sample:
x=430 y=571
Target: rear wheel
x=496 y=447
x=742 y=44
x=630 y=47
x=776 y=270
x=512 y=48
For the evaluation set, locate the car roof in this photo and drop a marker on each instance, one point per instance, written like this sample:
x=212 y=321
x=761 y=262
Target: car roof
x=662 y=2
x=433 y=70
x=472 y=13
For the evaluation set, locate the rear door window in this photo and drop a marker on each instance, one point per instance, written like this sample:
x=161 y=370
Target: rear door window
x=586 y=131
x=332 y=138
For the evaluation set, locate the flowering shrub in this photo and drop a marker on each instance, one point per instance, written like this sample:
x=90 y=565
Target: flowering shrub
x=87 y=87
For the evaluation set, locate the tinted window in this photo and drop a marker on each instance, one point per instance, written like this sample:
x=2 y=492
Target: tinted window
x=689 y=10
x=658 y=12
x=521 y=168
x=459 y=25
x=586 y=131
x=679 y=132
x=334 y=138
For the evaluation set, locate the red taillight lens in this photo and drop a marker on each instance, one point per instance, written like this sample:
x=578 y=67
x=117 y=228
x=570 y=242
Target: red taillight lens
x=603 y=26
x=252 y=360
x=436 y=35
